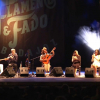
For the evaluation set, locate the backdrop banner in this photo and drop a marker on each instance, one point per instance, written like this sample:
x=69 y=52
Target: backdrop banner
x=32 y=24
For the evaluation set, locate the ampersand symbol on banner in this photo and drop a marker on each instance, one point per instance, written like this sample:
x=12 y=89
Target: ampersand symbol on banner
x=6 y=32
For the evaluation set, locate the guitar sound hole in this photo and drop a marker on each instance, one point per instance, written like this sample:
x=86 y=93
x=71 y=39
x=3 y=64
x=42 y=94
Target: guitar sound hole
x=21 y=70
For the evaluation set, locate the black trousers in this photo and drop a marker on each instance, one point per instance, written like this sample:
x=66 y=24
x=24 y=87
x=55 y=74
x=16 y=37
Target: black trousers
x=14 y=66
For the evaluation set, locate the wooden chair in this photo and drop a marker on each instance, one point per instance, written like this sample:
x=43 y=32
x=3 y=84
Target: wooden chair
x=79 y=69
x=98 y=69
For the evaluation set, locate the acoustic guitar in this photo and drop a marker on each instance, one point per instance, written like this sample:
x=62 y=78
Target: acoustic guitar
x=48 y=57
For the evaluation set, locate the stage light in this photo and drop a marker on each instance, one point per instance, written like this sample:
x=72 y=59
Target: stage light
x=1 y=10
x=90 y=38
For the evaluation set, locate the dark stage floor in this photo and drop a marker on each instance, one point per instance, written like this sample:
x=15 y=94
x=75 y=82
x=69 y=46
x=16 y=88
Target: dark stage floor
x=51 y=80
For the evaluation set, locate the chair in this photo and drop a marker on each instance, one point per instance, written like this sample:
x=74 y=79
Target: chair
x=98 y=69
x=79 y=69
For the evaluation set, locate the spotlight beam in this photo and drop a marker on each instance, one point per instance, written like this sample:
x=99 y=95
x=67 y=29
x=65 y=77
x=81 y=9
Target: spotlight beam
x=90 y=38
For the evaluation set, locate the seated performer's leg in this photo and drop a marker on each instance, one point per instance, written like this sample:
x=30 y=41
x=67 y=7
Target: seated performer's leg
x=48 y=68
x=95 y=69
x=45 y=68
x=75 y=65
x=91 y=66
x=10 y=65
x=75 y=70
x=15 y=67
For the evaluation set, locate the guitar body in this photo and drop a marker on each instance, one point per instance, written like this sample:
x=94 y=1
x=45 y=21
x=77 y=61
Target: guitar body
x=48 y=57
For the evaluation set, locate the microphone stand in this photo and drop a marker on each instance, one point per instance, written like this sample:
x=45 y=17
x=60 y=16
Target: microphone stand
x=33 y=64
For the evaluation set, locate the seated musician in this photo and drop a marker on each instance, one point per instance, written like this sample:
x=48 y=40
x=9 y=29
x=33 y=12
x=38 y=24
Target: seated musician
x=95 y=60
x=12 y=59
x=45 y=59
x=76 y=60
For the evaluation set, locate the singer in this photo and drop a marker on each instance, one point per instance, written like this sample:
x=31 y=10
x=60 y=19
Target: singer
x=76 y=60
x=12 y=59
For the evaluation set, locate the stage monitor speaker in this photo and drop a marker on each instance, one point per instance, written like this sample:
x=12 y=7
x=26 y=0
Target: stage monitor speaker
x=8 y=72
x=69 y=72
x=24 y=71
x=40 y=72
x=56 y=71
x=89 y=72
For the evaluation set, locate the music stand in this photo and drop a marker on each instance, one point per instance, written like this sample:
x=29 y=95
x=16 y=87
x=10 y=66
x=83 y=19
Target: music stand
x=33 y=64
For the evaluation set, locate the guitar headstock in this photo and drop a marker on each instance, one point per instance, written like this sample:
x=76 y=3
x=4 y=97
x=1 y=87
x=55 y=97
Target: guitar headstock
x=54 y=48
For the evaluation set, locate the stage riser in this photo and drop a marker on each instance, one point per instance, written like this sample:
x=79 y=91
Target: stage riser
x=70 y=84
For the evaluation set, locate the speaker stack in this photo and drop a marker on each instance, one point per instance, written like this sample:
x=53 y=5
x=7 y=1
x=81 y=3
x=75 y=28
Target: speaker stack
x=69 y=72
x=40 y=72
x=89 y=72
x=24 y=71
x=8 y=72
x=56 y=71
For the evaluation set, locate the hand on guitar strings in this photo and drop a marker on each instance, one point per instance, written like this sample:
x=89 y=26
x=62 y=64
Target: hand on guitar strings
x=44 y=60
x=52 y=51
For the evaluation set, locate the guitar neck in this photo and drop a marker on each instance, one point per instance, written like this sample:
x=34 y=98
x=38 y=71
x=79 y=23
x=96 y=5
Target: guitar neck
x=51 y=51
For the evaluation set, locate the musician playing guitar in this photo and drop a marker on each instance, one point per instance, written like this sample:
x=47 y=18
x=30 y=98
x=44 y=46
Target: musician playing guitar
x=45 y=58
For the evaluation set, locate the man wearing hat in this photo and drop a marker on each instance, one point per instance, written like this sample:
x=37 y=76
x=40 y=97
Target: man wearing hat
x=45 y=59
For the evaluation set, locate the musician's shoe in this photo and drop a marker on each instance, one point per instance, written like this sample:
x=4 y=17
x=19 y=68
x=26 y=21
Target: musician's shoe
x=16 y=75
x=47 y=74
x=96 y=74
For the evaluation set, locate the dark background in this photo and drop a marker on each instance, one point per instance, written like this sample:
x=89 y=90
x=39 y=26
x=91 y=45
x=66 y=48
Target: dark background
x=64 y=22
x=79 y=13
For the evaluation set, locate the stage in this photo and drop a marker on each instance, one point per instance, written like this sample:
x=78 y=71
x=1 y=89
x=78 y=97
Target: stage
x=49 y=81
